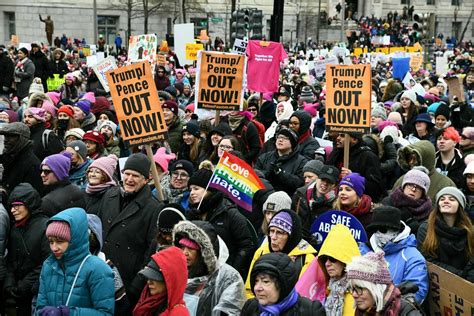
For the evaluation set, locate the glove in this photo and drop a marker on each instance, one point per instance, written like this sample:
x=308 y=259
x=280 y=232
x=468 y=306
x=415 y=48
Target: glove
x=388 y=139
x=64 y=310
x=51 y=311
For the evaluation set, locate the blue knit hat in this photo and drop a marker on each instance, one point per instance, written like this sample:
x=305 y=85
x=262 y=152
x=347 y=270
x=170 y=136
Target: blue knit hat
x=84 y=105
x=59 y=164
x=356 y=182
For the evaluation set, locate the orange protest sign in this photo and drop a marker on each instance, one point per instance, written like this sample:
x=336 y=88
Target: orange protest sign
x=416 y=61
x=192 y=51
x=348 y=95
x=161 y=60
x=137 y=104
x=220 y=84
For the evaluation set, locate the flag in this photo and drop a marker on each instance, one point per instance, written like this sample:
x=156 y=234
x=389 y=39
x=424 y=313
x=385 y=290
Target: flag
x=236 y=179
x=312 y=283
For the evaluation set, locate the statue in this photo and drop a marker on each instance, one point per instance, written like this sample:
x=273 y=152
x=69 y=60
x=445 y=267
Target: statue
x=49 y=28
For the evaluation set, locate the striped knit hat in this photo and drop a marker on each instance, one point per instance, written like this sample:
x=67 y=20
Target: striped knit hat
x=370 y=267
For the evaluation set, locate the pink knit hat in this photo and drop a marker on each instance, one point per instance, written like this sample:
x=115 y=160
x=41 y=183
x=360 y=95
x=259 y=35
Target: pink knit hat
x=54 y=96
x=49 y=107
x=162 y=158
x=89 y=96
x=107 y=165
x=186 y=242
x=38 y=113
x=59 y=229
x=371 y=267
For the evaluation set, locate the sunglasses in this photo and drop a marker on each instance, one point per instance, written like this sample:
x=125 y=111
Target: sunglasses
x=331 y=259
x=46 y=171
x=252 y=109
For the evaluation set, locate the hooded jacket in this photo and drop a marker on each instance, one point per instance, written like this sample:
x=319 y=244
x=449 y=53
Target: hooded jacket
x=93 y=293
x=341 y=245
x=425 y=152
x=404 y=261
x=27 y=245
x=53 y=145
x=223 y=287
x=296 y=247
x=307 y=145
x=78 y=175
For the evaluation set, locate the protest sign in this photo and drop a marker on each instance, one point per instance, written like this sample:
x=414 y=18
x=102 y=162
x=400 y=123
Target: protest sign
x=240 y=46
x=220 y=81
x=91 y=61
x=183 y=34
x=101 y=68
x=320 y=65
x=161 y=60
x=400 y=67
x=449 y=294
x=348 y=98
x=143 y=47
x=441 y=65
x=25 y=45
x=416 y=61
x=323 y=224
x=312 y=284
x=54 y=83
x=192 y=50
x=408 y=81
x=136 y=103
x=456 y=89
x=236 y=179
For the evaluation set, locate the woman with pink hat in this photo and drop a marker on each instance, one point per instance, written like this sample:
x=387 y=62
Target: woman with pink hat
x=68 y=90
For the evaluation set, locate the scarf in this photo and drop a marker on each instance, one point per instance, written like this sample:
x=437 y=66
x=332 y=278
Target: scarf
x=148 y=304
x=419 y=209
x=304 y=136
x=95 y=189
x=381 y=239
x=23 y=222
x=234 y=121
x=170 y=194
x=334 y=303
x=362 y=208
x=277 y=309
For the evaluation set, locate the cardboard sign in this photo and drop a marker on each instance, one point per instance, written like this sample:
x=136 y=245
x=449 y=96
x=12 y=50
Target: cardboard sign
x=136 y=103
x=416 y=61
x=183 y=34
x=348 y=98
x=54 y=83
x=161 y=60
x=220 y=84
x=240 y=46
x=449 y=294
x=456 y=88
x=323 y=224
x=442 y=66
x=143 y=47
x=101 y=68
x=192 y=50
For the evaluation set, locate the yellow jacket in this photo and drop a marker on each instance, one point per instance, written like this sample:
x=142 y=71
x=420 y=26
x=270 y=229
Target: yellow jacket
x=341 y=245
x=302 y=249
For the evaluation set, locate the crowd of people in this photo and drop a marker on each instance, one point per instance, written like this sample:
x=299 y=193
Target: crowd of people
x=80 y=234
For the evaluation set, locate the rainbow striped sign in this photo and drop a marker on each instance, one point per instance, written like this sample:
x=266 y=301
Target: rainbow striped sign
x=237 y=180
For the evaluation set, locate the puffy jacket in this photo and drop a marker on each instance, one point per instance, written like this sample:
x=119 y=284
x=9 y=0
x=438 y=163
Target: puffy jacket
x=60 y=196
x=93 y=293
x=291 y=176
x=53 y=144
x=426 y=156
x=341 y=245
x=27 y=245
x=296 y=247
x=78 y=176
x=404 y=261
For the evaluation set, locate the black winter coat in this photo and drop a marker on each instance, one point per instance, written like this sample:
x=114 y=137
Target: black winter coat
x=60 y=196
x=6 y=71
x=96 y=203
x=365 y=162
x=129 y=228
x=307 y=147
x=454 y=169
x=28 y=246
x=249 y=140
x=303 y=307
x=58 y=67
x=41 y=62
x=53 y=144
x=291 y=176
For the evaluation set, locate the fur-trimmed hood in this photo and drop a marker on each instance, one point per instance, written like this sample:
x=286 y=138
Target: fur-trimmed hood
x=38 y=96
x=192 y=231
x=425 y=151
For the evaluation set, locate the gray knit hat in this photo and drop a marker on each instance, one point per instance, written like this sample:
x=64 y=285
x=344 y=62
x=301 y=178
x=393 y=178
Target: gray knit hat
x=79 y=147
x=454 y=192
x=277 y=201
x=378 y=111
x=313 y=166
x=418 y=176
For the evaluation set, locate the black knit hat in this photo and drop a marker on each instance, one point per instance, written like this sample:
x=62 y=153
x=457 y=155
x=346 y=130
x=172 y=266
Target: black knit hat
x=192 y=128
x=291 y=135
x=140 y=163
x=183 y=165
x=200 y=178
x=443 y=110
x=385 y=217
x=222 y=129
x=169 y=216
x=24 y=50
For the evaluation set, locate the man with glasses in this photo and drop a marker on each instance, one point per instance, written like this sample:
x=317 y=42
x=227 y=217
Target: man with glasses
x=61 y=193
x=175 y=186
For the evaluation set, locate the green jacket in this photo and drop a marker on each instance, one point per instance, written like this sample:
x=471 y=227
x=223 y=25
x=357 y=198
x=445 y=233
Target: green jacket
x=174 y=135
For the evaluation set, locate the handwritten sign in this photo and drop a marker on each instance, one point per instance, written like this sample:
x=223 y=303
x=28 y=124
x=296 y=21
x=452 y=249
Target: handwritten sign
x=240 y=46
x=54 y=83
x=192 y=50
x=101 y=68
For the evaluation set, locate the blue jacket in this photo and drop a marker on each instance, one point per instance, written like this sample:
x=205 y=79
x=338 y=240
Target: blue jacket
x=93 y=292
x=78 y=176
x=405 y=262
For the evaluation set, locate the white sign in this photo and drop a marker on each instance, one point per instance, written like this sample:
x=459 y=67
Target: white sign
x=91 y=60
x=101 y=68
x=320 y=65
x=441 y=65
x=240 y=46
x=183 y=34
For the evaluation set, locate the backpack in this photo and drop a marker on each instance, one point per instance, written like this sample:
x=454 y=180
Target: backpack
x=260 y=129
x=45 y=138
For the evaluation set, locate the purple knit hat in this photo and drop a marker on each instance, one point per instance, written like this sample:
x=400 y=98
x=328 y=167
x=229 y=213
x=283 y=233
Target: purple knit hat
x=38 y=113
x=107 y=165
x=355 y=181
x=370 y=267
x=283 y=221
x=59 y=164
x=84 y=105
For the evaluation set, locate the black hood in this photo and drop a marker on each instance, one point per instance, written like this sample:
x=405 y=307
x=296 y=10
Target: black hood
x=25 y=193
x=296 y=232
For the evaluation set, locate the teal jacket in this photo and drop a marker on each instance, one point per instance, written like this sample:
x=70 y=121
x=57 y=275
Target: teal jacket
x=93 y=292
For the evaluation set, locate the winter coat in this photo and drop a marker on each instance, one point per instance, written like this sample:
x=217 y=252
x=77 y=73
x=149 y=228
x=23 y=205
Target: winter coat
x=223 y=287
x=296 y=247
x=366 y=163
x=249 y=140
x=93 y=293
x=454 y=169
x=54 y=145
x=97 y=202
x=341 y=245
x=175 y=135
x=161 y=82
x=307 y=146
x=129 y=224
x=303 y=307
x=58 y=67
x=89 y=123
x=60 y=196
x=25 y=78
x=451 y=252
x=41 y=65
x=232 y=227
x=6 y=71
x=404 y=261
x=4 y=231
x=426 y=155
x=28 y=246
x=78 y=175
x=291 y=176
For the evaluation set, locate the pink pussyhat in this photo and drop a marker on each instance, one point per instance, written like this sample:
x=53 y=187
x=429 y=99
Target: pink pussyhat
x=162 y=158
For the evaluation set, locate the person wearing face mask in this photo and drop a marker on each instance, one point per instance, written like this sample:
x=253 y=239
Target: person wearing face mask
x=447 y=237
x=388 y=233
x=66 y=121
x=109 y=130
x=20 y=164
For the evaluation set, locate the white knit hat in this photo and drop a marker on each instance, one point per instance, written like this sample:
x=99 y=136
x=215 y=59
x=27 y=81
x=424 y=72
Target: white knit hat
x=410 y=94
x=469 y=168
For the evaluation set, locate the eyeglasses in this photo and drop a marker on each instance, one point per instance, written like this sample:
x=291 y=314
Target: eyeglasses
x=225 y=147
x=413 y=186
x=282 y=137
x=46 y=171
x=16 y=207
x=179 y=175
x=357 y=289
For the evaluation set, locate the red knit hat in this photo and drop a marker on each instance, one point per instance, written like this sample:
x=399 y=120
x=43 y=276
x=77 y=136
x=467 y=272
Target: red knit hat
x=94 y=136
x=59 y=229
x=66 y=109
